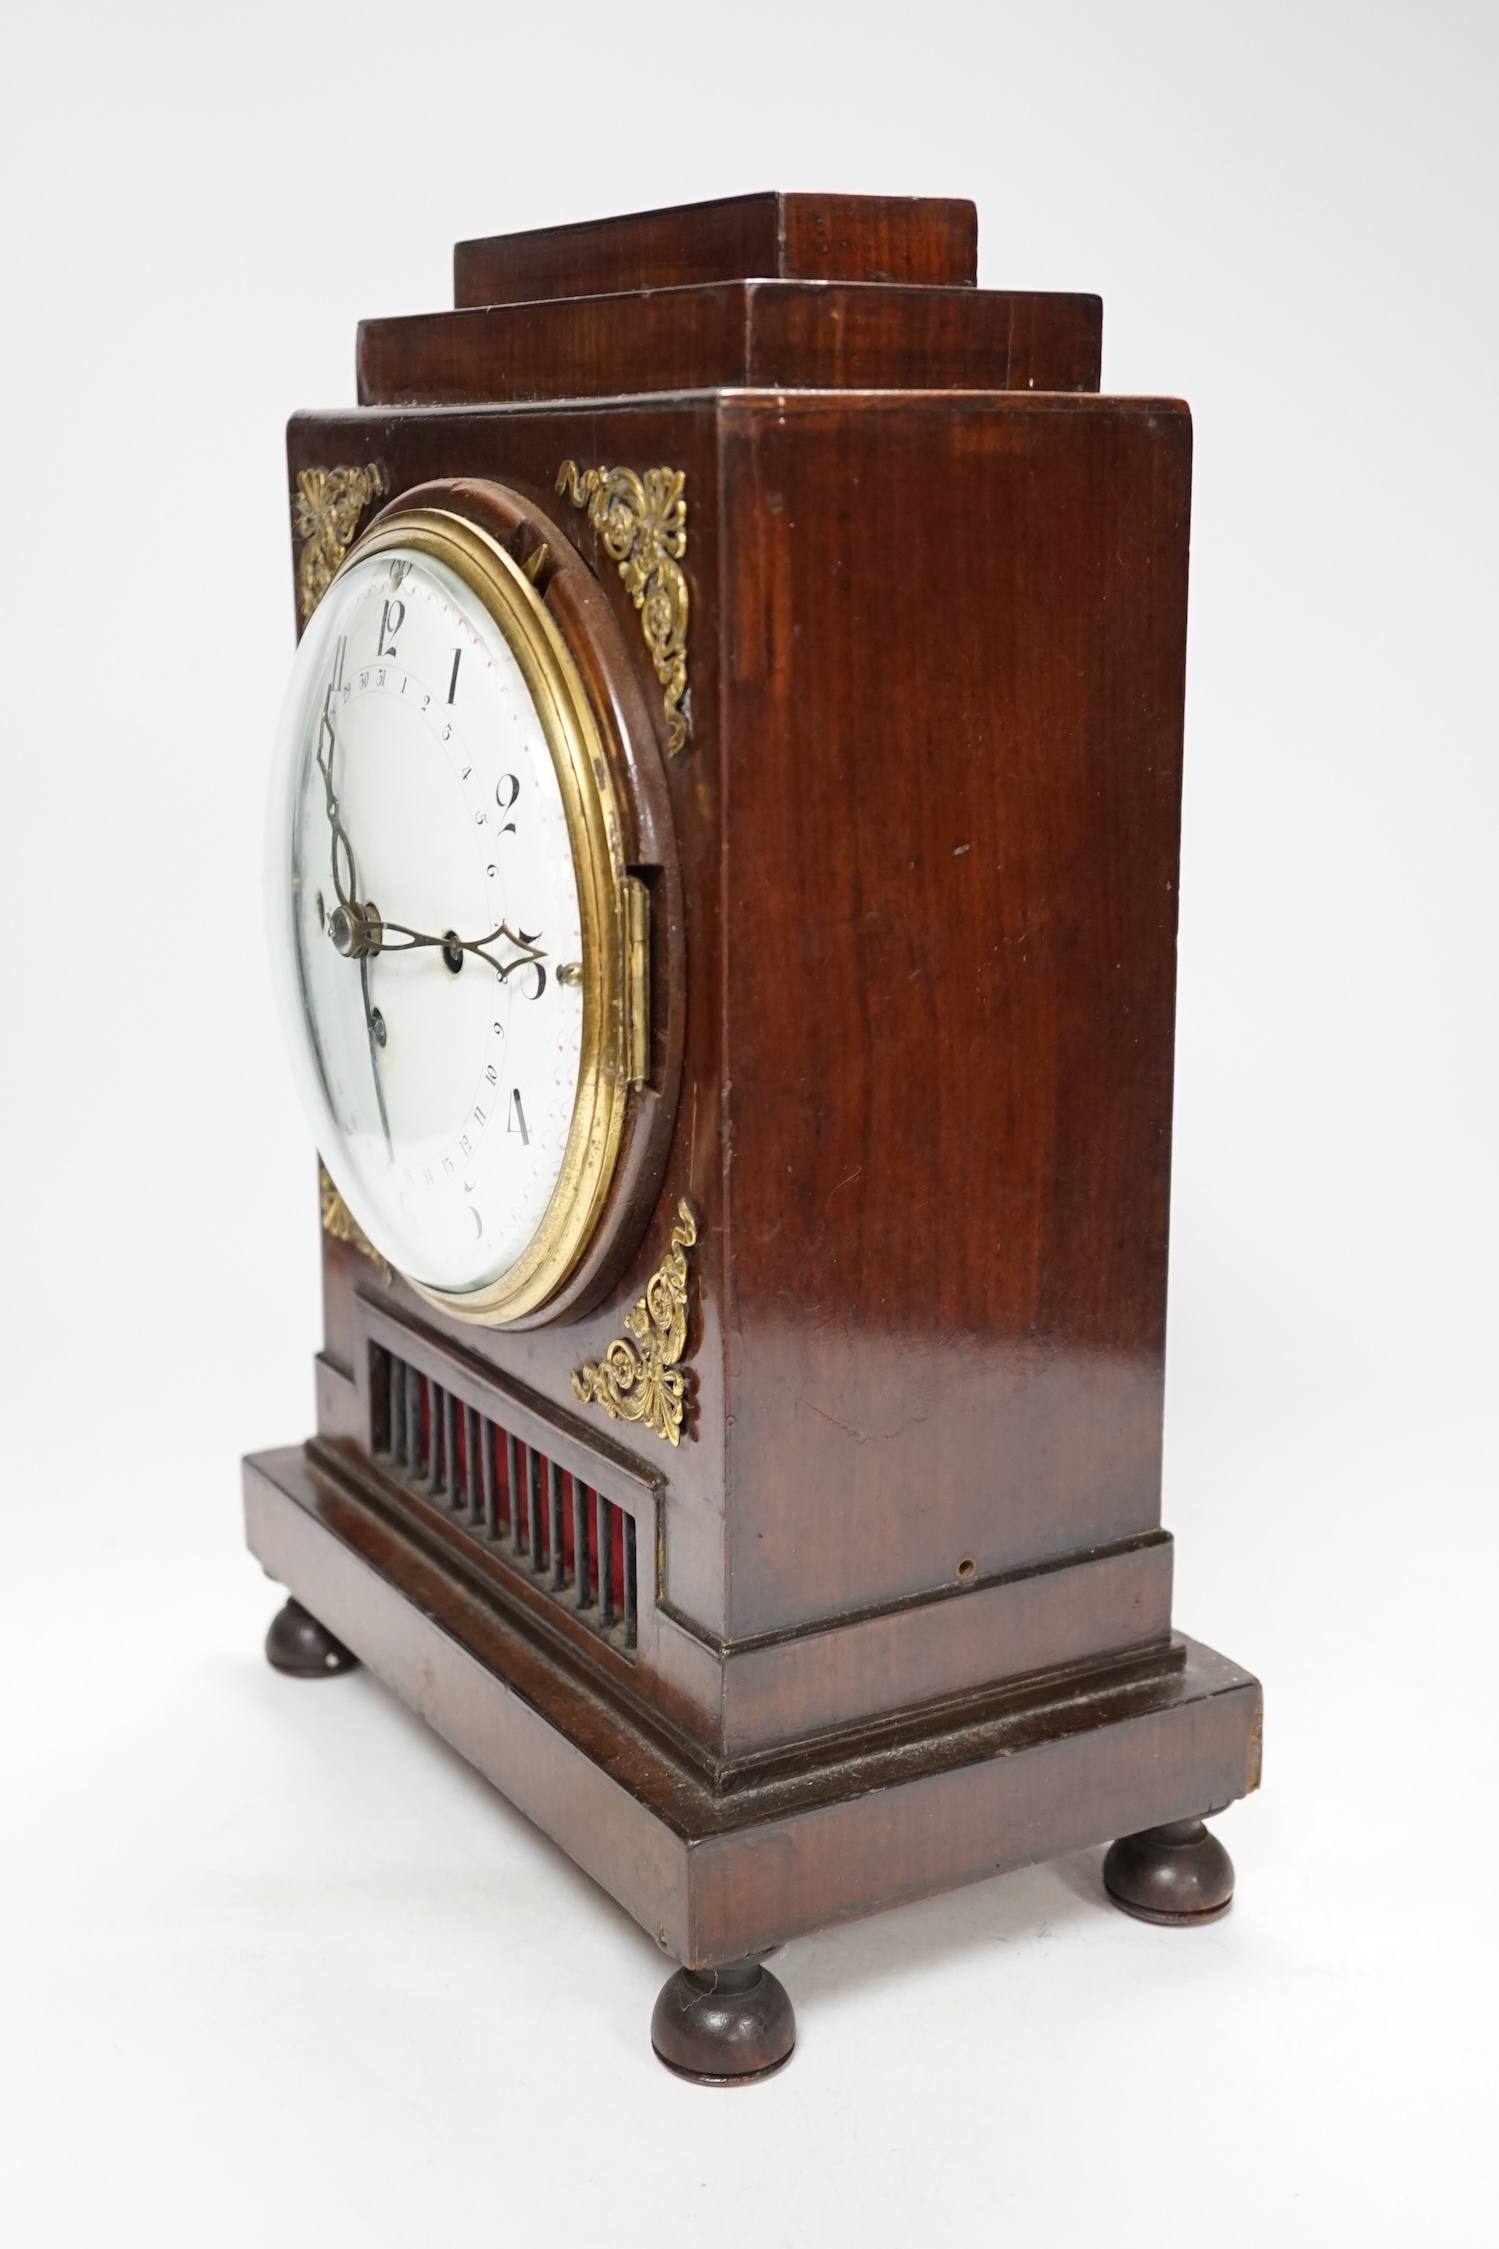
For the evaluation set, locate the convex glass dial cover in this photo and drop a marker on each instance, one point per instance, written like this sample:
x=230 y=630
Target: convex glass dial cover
x=444 y=893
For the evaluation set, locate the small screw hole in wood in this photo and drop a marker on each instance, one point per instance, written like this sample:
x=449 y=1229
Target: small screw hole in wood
x=967 y=1567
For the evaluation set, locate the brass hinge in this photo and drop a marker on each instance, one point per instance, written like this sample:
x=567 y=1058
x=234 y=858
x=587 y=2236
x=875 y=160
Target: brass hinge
x=637 y=980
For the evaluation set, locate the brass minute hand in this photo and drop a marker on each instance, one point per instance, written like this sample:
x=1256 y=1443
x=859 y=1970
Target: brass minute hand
x=416 y=940
x=357 y=930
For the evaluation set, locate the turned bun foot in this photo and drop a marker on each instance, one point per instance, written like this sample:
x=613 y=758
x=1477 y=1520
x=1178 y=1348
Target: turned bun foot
x=724 y=2026
x=298 y=1644
x=1176 y=1875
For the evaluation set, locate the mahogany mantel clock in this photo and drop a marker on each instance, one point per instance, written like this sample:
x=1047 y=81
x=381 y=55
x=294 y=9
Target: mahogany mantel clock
x=722 y=872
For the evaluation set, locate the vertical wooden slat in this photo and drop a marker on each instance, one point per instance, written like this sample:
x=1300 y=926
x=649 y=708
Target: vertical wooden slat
x=513 y=1451
x=557 y=1557
x=434 y=1436
x=582 y=1587
x=473 y=1483
x=535 y=1508
x=488 y=1495
x=379 y=1401
x=398 y=1412
x=602 y=1513
x=449 y=1484
x=414 y=1455
x=631 y=1606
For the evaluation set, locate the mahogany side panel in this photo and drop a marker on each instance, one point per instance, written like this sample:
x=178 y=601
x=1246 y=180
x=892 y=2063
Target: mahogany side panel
x=772 y=334
x=916 y=240
x=952 y=734
x=931 y=339
x=913 y=241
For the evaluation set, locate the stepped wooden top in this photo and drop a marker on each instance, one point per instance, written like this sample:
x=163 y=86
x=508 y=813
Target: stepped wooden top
x=774 y=291
x=930 y=240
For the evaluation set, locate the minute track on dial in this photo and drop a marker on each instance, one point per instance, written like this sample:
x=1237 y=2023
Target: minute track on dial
x=358 y=930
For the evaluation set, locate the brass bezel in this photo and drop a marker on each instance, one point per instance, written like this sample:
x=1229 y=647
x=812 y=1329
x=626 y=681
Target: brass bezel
x=574 y=736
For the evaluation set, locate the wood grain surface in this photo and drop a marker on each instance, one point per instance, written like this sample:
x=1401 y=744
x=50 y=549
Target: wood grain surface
x=713 y=1876
x=793 y=335
x=931 y=240
x=913 y=1067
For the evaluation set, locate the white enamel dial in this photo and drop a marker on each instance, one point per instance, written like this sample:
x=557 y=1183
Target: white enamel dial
x=427 y=920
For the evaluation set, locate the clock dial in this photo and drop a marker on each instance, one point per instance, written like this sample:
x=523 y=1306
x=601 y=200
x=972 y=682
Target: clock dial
x=435 y=906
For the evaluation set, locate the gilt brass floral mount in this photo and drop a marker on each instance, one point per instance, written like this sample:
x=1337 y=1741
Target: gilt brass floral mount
x=328 y=507
x=339 y=1221
x=642 y=521
x=642 y=1380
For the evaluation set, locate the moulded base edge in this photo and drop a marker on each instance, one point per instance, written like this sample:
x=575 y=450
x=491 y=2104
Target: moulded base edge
x=715 y=1879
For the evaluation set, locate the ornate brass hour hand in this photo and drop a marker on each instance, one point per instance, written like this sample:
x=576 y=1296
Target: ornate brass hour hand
x=359 y=931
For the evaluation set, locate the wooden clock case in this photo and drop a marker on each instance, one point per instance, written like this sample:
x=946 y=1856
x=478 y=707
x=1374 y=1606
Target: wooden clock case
x=903 y=756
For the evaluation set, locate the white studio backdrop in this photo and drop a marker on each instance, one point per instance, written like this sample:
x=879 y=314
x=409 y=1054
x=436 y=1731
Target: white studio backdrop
x=231 y=1912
